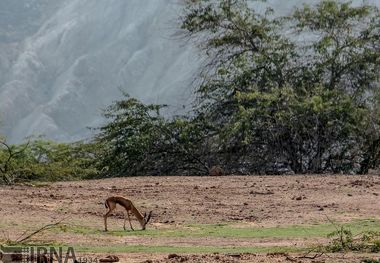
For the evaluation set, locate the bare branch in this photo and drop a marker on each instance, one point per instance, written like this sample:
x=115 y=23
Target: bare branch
x=45 y=227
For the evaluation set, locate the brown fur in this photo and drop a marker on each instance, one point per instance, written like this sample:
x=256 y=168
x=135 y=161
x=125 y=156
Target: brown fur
x=111 y=203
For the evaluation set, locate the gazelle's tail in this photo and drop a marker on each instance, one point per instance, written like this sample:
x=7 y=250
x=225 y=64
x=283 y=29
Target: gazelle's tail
x=106 y=205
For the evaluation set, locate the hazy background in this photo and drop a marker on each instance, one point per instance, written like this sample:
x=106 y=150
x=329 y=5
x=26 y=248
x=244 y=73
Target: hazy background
x=62 y=61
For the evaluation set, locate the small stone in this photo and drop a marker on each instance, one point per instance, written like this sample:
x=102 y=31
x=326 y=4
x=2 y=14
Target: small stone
x=172 y=256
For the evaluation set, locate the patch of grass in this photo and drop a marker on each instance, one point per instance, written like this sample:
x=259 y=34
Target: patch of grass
x=77 y=229
x=229 y=231
x=294 y=231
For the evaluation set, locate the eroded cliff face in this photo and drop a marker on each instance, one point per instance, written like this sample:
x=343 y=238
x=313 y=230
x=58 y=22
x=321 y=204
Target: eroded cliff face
x=74 y=57
x=62 y=61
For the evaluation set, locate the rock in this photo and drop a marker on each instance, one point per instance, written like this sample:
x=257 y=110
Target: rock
x=109 y=259
x=216 y=171
x=172 y=256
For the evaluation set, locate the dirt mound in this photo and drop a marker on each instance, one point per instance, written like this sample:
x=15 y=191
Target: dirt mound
x=262 y=258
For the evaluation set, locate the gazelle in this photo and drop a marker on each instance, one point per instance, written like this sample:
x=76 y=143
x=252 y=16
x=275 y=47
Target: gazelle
x=128 y=205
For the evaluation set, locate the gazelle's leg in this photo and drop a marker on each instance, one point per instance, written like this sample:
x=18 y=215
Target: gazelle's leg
x=129 y=219
x=111 y=208
x=125 y=219
x=105 y=219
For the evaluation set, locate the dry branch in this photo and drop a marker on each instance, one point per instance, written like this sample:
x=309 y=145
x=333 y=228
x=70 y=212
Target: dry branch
x=43 y=228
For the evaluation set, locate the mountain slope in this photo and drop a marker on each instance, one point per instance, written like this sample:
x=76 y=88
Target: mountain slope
x=62 y=61
x=82 y=56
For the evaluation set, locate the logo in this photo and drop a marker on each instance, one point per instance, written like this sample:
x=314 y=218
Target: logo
x=41 y=254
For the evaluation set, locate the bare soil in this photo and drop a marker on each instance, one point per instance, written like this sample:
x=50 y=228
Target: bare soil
x=262 y=201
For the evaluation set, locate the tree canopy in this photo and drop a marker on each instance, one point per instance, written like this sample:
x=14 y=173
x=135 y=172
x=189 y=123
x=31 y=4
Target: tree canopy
x=278 y=94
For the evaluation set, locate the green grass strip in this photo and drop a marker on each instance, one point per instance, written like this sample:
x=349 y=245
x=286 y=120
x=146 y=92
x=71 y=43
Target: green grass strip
x=231 y=231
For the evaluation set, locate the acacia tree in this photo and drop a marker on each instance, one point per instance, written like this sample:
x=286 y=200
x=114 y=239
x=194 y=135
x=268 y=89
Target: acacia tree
x=273 y=98
x=266 y=100
x=138 y=140
x=8 y=155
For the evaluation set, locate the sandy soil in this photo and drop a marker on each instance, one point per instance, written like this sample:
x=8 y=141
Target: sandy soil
x=262 y=201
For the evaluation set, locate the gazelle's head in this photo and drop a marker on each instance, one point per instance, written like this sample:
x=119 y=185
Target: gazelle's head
x=146 y=219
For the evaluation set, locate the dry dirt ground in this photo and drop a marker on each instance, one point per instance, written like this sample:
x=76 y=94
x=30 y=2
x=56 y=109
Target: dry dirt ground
x=261 y=201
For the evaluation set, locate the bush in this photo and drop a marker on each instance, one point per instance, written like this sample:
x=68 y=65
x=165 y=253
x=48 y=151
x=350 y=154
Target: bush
x=343 y=240
x=43 y=160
